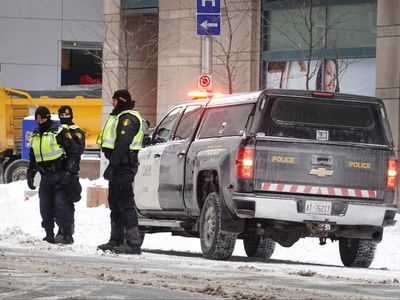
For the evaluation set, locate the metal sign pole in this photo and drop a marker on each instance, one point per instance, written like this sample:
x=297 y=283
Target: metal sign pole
x=206 y=55
x=208 y=21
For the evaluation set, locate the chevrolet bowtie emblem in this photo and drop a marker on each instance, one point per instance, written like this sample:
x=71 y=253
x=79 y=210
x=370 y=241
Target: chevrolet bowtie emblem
x=321 y=172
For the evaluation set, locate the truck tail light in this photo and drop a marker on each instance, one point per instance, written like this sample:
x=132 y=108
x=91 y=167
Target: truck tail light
x=392 y=175
x=323 y=94
x=244 y=163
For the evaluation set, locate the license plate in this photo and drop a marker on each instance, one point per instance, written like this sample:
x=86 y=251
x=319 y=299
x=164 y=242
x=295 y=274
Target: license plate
x=318 y=207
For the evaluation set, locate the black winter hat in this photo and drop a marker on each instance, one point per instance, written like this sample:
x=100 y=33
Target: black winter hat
x=122 y=95
x=66 y=109
x=43 y=112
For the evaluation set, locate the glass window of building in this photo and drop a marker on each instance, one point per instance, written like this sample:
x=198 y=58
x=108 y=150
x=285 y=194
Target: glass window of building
x=81 y=63
x=320 y=44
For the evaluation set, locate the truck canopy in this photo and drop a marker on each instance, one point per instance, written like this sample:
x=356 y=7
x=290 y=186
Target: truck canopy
x=331 y=147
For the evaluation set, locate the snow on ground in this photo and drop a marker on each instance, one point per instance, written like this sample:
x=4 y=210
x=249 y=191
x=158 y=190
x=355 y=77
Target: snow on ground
x=20 y=227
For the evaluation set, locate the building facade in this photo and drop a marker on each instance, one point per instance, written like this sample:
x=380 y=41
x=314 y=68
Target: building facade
x=388 y=62
x=177 y=63
x=49 y=43
x=262 y=44
x=152 y=48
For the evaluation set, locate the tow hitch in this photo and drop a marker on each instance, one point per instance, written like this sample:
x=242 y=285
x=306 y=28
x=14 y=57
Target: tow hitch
x=319 y=229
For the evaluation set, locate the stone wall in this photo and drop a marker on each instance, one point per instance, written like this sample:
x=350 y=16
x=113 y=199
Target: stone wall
x=130 y=54
x=388 y=64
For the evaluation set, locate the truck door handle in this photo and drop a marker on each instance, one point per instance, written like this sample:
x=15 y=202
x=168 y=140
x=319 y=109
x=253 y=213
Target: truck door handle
x=323 y=160
x=157 y=155
x=181 y=153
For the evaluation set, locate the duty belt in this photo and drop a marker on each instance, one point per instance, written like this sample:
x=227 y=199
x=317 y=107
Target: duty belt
x=50 y=167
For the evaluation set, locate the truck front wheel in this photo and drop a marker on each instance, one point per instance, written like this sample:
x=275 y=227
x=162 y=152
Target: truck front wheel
x=356 y=252
x=16 y=170
x=258 y=246
x=215 y=243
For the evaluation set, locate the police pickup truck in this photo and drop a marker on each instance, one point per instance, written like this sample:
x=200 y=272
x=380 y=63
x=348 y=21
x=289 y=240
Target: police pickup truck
x=271 y=166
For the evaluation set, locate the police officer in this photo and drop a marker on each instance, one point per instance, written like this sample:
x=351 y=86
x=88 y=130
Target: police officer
x=121 y=140
x=65 y=114
x=54 y=154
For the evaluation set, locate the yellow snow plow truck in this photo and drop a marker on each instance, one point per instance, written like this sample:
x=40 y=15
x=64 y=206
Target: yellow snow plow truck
x=16 y=110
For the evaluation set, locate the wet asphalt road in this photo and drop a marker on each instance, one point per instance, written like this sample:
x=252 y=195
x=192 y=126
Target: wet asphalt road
x=48 y=274
x=18 y=283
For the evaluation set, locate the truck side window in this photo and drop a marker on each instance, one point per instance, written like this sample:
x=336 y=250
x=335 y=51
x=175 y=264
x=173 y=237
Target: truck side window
x=225 y=121
x=163 y=132
x=188 y=122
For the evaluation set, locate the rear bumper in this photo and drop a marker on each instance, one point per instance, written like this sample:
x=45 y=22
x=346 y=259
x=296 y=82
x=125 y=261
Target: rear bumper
x=287 y=209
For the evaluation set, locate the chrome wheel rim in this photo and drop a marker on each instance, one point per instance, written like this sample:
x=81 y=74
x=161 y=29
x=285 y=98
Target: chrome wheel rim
x=209 y=227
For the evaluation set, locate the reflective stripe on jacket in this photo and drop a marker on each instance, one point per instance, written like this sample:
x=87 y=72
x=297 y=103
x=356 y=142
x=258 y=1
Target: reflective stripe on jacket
x=45 y=146
x=68 y=127
x=109 y=133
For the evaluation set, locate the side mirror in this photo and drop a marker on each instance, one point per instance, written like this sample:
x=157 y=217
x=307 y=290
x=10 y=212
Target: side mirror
x=147 y=131
x=145 y=124
x=146 y=140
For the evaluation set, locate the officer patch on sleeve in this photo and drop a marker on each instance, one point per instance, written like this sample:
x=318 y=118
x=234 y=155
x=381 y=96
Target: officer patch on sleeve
x=68 y=135
x=126 y=122
x=78 y=135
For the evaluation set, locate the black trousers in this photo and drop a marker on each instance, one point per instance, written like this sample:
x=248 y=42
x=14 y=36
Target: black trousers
x=121 y=198
x=55 y=202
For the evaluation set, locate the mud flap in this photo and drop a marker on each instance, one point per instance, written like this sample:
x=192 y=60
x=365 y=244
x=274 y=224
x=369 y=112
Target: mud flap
x=230 y=223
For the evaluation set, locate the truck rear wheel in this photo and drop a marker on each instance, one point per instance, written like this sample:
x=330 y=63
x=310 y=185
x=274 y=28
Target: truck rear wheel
x=16 y=170
x=215 y=243
x=356 y=252
x=258 y=246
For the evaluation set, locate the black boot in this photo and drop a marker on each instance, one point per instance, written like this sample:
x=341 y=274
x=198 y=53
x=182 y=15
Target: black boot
x=67 y=237
x=116 y=239
x=49 y=236
x=60 y=232
x=132 y=243
x=59 y=236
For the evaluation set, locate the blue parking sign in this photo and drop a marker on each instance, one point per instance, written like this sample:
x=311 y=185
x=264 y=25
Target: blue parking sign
x=208 y=6
x=208 y=24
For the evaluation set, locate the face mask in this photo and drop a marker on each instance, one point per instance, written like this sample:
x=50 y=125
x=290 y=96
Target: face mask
x=121 y=106
x=67 y=121
x=45 y=126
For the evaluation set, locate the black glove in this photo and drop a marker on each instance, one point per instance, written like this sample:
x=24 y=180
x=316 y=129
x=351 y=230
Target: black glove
x=30 y=176
x=108 y=173
x=76 y=189
x=67 y=178
x=72 y=167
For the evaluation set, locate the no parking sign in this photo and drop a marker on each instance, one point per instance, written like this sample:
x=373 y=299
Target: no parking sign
x=204 y=82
